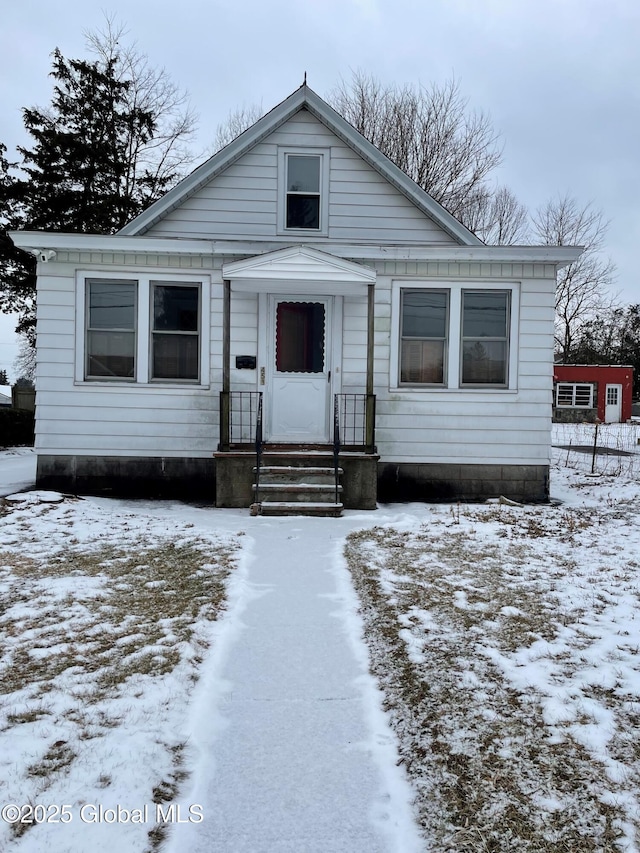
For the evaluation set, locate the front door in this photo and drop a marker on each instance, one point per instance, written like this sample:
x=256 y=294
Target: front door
x=299 y=371
x=613 y=404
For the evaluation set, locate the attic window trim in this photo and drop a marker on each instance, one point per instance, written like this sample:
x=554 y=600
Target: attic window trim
x=324 y=159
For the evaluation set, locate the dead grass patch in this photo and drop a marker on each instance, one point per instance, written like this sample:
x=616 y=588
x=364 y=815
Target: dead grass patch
x=443 y=608
x=87 y=629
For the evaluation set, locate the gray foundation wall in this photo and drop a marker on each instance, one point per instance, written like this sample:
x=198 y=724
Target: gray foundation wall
x=412 y=481
x=129 y=476
x=228 y=483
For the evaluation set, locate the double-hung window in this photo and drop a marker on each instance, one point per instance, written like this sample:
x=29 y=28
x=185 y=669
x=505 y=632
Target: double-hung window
x=485 y=337
x=110 y=348
x=448 y=335
x=423 y=337
x=145 y=330
x=175 y=334
x=303 y=190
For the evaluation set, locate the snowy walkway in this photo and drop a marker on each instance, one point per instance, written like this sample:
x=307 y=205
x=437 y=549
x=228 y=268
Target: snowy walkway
x=295 y=753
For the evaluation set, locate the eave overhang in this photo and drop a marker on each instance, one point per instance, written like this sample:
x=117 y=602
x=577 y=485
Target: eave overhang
x=117 y=244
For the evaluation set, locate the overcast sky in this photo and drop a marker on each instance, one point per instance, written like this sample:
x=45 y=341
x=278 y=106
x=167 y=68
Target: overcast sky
x=559 y=78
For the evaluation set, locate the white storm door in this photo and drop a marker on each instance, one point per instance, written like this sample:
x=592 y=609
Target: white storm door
x=613 y=404
x=299 y=372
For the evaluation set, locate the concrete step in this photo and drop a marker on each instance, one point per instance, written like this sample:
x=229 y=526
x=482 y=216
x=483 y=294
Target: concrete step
x=329 y=510
x=289 y=492
x=290 y=474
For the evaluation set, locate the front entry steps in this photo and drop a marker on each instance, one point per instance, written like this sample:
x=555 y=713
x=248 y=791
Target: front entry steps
x=297 y=490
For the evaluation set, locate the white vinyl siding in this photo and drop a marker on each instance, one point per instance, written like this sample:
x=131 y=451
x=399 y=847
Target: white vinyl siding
x=242 y=202
x=467 y=425
x=110 y=418
x=440 y=425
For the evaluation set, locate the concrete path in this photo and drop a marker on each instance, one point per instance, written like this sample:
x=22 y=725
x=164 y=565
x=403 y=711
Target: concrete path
x=299 y=757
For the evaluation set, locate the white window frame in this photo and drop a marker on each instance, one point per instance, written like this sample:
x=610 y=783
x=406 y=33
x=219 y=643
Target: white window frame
x=506 y=340
x=574 y=393
x=454 y=348
x=154 y=282
x=445 y=339
x=144 y=318
x=87 y=314
x=298 y=151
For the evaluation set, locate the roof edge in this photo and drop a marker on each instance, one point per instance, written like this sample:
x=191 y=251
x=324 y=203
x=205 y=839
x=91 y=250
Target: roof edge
x=118 y=243
x=303 y=97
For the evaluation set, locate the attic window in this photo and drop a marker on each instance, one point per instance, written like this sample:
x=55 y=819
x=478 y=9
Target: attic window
x=304 y=190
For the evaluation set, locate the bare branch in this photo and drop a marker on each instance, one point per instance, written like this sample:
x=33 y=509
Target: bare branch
x=165 y=156
x=584 y=287
x=428 y=132
x=236 y=123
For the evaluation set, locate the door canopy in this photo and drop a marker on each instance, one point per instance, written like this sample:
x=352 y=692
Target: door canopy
x=299 y=270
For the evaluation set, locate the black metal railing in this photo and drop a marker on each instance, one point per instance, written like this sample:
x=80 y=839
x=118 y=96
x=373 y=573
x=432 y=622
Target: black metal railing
x=258 y=444
x=336 y=443
x=356 y=432
x=243 y=410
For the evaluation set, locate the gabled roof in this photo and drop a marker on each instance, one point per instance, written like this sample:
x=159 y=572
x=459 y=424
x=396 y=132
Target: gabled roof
x=302 y=98
x=296 y=269
x=298 y=262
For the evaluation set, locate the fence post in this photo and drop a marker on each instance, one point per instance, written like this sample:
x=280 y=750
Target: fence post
x=593 y=455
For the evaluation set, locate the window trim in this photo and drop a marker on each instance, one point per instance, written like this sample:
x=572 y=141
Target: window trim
x=143 y=276
x=574 y=386
x=455 y=288
x=444 y=339
x=87 y=330
x=301 y=151
x=153 y=283
x=506 y=338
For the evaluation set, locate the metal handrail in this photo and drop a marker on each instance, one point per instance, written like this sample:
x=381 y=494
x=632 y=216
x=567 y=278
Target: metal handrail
x=336 y=443
x=354 y=411
x=258 y=448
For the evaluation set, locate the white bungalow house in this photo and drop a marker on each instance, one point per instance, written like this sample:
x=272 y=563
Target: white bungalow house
x=299 y=282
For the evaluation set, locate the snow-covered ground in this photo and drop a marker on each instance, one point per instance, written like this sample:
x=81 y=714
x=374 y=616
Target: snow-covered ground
x=186 y=678
x=17 y=469
x=507 y=642
x=159 y=655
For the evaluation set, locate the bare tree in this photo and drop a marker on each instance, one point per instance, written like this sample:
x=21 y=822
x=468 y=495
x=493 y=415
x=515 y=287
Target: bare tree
x=25 y=362
x=158 y=161
x=498 y=217
x=236 y=123
x=584 y=287
x=429 y=133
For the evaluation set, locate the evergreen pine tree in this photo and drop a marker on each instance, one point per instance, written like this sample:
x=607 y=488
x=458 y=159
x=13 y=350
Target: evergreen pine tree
x=110 y=143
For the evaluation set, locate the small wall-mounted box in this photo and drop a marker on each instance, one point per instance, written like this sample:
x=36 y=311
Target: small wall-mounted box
x=245 y=362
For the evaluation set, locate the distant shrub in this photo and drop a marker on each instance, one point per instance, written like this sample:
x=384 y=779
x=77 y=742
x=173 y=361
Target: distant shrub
x=16 y=428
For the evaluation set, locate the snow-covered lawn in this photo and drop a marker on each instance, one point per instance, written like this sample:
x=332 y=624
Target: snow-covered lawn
x=106 y=616
x=507 y=642
x=18 y=469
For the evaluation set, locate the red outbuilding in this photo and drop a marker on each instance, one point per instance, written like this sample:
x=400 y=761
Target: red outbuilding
x=584 y=392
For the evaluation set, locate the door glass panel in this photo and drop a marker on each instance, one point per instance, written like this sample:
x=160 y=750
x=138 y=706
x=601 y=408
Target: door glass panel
x=612 y=396
x=300 y=337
